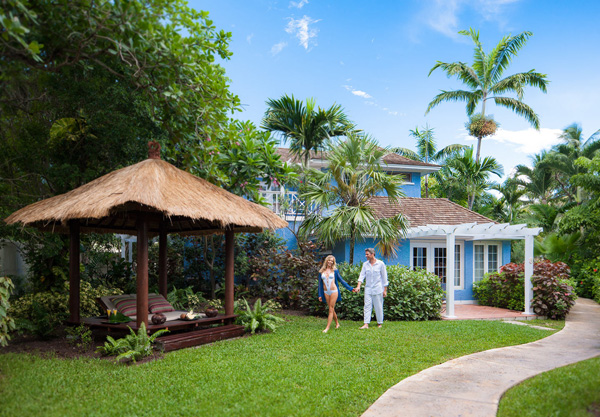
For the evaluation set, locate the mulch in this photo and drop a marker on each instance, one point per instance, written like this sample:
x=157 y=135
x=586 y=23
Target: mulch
x=59 y=347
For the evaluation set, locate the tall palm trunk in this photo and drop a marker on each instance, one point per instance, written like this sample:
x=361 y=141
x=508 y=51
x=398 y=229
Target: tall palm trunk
x=352 y=242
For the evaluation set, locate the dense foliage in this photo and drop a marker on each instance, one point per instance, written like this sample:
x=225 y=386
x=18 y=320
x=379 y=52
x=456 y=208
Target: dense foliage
x=42 y=312
x=7 y=324
x=412 y=295
x=553 y=293
x=286 y=276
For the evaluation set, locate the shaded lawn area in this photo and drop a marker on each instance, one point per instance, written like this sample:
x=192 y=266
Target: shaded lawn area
x=296 y=371
x=570 y=391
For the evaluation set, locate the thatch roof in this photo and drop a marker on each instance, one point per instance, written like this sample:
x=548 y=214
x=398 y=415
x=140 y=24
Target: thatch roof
x=113 y=202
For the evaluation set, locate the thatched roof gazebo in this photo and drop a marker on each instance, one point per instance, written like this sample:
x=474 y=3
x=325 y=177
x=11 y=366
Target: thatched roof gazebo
x=150 y=198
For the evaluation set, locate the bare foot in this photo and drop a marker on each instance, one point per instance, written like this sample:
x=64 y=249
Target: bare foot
x=326 y=330
x=379 y=325
x=337 y=326
x=365 y=326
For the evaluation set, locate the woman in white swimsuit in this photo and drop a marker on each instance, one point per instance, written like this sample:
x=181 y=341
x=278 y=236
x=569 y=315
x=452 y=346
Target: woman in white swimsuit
x=329 y=280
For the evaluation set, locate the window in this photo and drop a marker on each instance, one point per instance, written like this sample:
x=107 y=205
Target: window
x=406 y=176
x=419 y=258
x=433 y=258
x=439 y=263
x=485 y=259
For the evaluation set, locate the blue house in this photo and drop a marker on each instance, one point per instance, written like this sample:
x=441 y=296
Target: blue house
x=457 y=244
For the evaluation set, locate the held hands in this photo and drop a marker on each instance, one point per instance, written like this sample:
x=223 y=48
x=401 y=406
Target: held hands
x=357 y=289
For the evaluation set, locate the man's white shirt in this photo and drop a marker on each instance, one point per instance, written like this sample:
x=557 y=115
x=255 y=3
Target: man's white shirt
x=374 y=276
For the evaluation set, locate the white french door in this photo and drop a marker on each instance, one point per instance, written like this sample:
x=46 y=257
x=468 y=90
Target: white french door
x=433 y=258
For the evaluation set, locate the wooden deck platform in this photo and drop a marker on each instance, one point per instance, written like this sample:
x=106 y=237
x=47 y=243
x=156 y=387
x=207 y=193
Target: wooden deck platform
x=199 y=337
x=173 y=325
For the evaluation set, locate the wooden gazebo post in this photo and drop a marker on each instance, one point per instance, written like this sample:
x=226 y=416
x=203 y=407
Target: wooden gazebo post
x=162 y=259
x=229 y=259
x=74 y=276
x=142 y=270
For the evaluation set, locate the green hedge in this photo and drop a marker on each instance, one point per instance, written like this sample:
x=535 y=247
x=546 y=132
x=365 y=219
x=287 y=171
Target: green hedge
x=45 y=310
x=412 y=295
x=586 y=274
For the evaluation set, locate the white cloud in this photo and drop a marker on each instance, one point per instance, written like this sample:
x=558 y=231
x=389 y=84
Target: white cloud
x=278 y=47
x=249 y=38
x=298 y=4
x=361 y=94
x=527 y=141
x=302 y=30
x=443 y=15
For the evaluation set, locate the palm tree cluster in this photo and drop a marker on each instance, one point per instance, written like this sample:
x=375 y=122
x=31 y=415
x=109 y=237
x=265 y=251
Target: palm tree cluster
x=559 y=192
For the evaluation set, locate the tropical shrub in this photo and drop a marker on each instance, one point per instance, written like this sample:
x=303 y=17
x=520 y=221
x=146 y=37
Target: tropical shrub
x=259 y=317
x=134 y=346
x=412 y=295
x=586 y=274
x=287 y=276
x=42 y=312
x=504 y=289
x=185 y=299
x=7 y=324
x=553 y=294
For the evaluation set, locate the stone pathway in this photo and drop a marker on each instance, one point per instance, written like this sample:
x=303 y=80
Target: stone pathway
x=473 y=385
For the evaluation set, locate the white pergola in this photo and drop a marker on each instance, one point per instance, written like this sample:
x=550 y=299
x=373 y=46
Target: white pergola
x=479 y=231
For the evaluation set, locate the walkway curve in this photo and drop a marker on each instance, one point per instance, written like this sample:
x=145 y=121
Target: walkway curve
x=473 y=385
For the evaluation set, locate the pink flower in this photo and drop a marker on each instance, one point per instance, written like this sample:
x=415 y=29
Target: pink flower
x=237 y=143
x=208 y=139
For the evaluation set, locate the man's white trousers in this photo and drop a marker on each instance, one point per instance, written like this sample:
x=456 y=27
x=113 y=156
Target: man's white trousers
x=374 y=301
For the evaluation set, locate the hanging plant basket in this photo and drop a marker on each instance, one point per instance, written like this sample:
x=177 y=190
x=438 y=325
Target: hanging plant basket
x=480 y=126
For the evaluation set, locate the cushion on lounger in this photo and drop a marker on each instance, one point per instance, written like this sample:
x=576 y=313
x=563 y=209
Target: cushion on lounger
x=158 y=304
x=126 y=305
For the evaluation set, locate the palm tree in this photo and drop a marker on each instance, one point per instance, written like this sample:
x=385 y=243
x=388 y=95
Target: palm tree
x=561 y=160
x=510 y=201
x=485 y=82
x=472 y=174
x=308 y=128
x=427 y=150
x=538 y=180
x=341 y=193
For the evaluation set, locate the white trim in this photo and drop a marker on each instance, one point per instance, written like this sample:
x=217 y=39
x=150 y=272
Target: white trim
x=486 y=259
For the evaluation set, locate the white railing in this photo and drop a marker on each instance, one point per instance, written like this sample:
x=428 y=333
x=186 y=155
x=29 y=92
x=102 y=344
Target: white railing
x=285 y=203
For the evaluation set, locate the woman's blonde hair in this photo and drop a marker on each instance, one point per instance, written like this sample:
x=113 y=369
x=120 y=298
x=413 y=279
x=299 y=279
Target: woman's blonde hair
x=324 y=266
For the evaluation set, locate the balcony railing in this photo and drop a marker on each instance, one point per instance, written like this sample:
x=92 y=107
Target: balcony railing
x=285 y=203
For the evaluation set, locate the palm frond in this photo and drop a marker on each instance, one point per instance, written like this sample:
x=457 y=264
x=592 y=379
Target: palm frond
x=506 y=49
x=519 y=108
x=457 y=95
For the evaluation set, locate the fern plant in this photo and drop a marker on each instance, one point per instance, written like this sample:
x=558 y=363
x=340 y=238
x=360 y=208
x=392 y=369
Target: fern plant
x=134 y=346
x=258 y=318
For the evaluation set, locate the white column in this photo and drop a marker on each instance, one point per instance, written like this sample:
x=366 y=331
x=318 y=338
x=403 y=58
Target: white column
x=450 y=242
x=528 y=273
x=123 y=243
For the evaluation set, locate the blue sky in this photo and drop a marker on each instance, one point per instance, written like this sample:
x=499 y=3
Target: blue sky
x=373 y=58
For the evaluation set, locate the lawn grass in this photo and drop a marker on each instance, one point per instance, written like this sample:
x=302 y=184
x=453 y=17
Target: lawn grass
x=552 y=324
x=570 y=391
x=297 y=371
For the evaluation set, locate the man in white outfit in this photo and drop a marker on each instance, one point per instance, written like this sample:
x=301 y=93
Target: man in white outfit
x=375 y=274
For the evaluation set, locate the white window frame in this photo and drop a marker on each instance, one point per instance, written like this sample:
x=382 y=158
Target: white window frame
x=486 y=259
x=430 y=245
